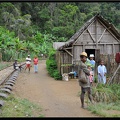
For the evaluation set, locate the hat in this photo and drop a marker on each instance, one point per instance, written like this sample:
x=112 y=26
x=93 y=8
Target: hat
x=28 y=55
x=91 y=55
x=84 y=53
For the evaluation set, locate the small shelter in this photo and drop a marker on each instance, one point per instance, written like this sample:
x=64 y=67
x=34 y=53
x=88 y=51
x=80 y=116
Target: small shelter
x=97 y=36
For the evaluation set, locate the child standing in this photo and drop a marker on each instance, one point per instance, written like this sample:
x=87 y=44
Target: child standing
x=91 y=75
x=102 y=72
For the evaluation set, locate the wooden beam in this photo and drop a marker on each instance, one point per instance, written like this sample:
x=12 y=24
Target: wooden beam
x=110 y=80
x=98 y=44
x=84 y=31
x=105 y=48
x=83 y=47
x=68 y=52
x=72 y=53
x=101 y=35
x=96 y=35
x=108 y=30
x=91 y=35
x=113 y=49
x=68 y=48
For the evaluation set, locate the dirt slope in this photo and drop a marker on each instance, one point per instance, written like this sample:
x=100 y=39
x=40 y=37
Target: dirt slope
x=57 y=98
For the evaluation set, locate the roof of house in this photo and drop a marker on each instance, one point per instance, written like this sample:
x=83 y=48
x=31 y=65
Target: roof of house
x=56 y=45
x=84 y=27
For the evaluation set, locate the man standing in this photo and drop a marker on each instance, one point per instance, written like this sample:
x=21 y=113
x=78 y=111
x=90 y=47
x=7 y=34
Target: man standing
x=28 y=63
x=35 y=61
x=85 y=87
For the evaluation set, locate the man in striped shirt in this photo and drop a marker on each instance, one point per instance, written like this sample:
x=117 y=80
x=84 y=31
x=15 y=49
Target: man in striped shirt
x=28 y=63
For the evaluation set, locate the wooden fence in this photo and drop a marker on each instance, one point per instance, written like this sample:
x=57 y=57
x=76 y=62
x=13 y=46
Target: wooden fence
x=64 y=62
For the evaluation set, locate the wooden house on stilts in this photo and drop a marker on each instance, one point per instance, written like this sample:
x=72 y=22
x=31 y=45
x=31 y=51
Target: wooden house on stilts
x=97 y=36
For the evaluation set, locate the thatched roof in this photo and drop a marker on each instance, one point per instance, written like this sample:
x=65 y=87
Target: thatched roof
x=56 y=45
x=84 y=27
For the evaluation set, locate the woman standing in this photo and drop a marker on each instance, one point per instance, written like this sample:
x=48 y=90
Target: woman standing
x=35 y=61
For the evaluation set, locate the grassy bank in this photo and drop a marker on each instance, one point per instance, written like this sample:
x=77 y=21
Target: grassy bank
x=17 y=107
x=107 y=100
x=4 y=65
x=106 y=110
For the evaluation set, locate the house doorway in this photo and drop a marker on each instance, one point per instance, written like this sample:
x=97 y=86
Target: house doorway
x=96 y=53
x=90 y=51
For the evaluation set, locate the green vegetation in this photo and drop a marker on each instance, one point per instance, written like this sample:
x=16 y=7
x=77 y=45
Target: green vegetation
x=106 y=93
x=4 y=65
x=95 y=79
x=106 y=110
x=107 y=98
x=32 y=27
x=17 y=107
x=51 y=65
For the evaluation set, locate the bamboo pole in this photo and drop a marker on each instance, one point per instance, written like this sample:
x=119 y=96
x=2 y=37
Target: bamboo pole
x=114 y=74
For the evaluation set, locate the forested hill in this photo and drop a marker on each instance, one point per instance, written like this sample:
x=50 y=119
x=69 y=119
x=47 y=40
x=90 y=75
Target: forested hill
x=38 y=22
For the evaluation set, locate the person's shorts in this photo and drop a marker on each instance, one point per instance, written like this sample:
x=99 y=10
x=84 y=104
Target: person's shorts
x=88 y=89
x=28 y=65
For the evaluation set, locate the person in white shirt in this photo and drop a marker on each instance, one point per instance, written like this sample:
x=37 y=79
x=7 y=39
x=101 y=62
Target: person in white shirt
x=28 y=63
x=102 y=73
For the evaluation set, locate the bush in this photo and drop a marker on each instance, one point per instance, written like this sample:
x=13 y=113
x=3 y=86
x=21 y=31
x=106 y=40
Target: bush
x=51 y=66
x=57 y=75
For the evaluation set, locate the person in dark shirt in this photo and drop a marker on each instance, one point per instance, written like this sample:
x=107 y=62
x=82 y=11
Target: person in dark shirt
x=15 y=65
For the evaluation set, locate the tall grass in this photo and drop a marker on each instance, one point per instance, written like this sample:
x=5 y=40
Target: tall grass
x=106 y=93
x=107 y=100
x=103 y=109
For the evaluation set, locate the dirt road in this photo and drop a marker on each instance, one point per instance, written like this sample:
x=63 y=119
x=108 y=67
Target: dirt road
x=57 y=98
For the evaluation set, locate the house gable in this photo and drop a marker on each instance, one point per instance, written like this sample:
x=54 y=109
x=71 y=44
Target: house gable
x=96 y=32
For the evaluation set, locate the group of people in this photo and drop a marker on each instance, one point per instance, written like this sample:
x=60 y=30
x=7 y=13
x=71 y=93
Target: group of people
x=86 y=65
x=101 y=70
x=88 y=70
x=28 y=64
